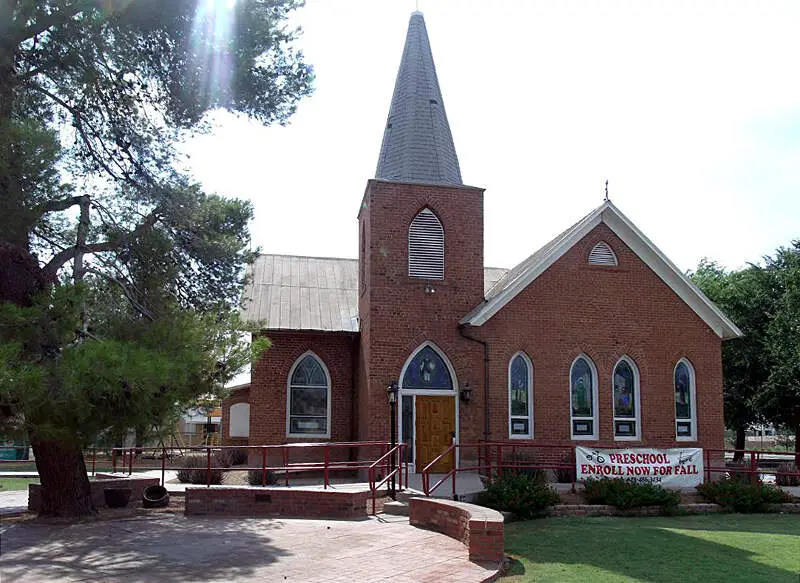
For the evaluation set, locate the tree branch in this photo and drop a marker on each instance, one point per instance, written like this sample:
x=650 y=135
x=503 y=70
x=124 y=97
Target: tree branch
x=49 y=20
x=134 y=302
x=62 y=257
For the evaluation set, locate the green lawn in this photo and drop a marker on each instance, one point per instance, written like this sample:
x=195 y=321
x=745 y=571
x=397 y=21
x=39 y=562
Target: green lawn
x=7 y=484
x=706 y=549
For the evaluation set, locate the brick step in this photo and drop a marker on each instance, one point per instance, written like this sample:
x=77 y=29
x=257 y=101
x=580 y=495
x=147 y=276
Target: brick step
x=397 y=508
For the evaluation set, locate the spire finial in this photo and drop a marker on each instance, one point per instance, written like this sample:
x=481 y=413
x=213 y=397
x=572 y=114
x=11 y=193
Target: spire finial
x=606 y=198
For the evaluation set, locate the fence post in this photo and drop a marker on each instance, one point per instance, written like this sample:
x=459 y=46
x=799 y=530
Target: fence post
x=325 y=475
x=208 y=467
x=94 y=459
x=263 y=466
x=130 y=462
x=574 y=459
x=163 y=464
x=114 y=459
x=285 y=453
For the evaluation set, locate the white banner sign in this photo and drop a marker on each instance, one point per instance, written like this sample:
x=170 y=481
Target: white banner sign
x=670 y=468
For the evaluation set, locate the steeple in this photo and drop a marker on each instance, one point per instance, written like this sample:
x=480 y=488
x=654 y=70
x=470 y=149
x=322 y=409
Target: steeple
x=417 y=143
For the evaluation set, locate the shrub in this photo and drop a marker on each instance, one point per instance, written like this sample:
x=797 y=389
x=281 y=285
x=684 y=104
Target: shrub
x=194 y=470
x=233 y=457
x=524 y=458
x=565 y=475
x=625 y=495
x=784 y=480
x=254 y=478
x=735 y=494
x=519 y=493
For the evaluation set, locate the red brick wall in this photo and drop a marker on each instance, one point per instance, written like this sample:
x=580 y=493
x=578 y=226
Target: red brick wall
x=294 y=502
x=605 y=312
x=480 y=529
x=396 y=313
x=269 y=378
x=237 y=396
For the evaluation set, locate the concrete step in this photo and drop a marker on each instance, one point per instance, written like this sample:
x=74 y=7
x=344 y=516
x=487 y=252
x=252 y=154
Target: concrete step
x=397 y=508
x=405 y=495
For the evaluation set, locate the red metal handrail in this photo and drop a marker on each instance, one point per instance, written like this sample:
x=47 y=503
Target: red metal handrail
x=398 y=452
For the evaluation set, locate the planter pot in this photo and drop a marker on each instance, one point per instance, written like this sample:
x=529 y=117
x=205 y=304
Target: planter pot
x=155 y=497
x=117 y=497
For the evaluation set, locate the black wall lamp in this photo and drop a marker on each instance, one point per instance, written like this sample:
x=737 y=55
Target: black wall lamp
x=466 y=393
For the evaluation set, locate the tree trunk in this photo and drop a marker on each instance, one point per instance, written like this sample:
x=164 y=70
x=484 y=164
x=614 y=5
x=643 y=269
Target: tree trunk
x=65 y=484
x=740 y=444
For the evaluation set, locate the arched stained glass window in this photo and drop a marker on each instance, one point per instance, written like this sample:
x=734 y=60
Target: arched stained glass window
x=685 y=413
x=427 y=370
x=626 y=400
x=309 y=398
x=520 y=397
x=583 y=397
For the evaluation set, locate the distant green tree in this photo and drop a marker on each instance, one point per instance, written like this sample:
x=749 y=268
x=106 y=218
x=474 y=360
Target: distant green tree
x=94 y=97
x=747 y=297
x=780 y=399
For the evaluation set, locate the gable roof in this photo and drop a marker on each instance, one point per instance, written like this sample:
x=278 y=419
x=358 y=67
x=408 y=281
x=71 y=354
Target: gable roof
x=417 y=143
x=518 y=278
x=288 y=292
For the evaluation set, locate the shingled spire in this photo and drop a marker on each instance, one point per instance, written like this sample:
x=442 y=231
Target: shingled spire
x=417 y=143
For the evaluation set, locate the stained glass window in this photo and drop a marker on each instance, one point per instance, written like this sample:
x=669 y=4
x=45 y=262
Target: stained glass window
x=308 y=398
x=427 y=370
x=581 y=388
x=626 y=393
x=520 y=406
x=685 y=421
x=582 y=405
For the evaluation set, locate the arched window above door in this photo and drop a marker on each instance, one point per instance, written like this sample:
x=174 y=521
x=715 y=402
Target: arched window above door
x=427 y=370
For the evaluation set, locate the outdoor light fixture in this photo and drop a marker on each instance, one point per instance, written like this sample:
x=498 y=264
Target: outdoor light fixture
x=429 y=289
x=391 y=391
x=466 y=393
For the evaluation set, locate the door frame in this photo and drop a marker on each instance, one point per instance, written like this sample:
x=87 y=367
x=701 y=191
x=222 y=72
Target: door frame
x=412 y=466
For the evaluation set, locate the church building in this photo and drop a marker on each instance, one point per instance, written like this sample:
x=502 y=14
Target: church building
x=596 y=339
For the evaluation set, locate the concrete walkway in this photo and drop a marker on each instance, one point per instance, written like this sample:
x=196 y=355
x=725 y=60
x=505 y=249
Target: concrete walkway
x=172 y=548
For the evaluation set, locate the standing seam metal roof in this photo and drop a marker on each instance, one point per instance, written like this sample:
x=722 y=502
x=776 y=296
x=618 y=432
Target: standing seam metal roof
x=417 y=143
x=287 y=292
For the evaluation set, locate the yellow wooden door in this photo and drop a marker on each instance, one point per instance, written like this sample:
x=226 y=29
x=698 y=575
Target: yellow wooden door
x=436 y=426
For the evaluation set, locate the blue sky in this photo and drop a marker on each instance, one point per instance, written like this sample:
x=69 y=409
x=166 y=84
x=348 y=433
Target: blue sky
x=691 y=110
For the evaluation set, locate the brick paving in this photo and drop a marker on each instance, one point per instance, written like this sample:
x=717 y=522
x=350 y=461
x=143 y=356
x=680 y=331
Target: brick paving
x=173 y=548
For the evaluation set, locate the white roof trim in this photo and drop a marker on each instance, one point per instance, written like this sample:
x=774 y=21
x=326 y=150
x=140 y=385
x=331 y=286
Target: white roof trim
x=640 y=245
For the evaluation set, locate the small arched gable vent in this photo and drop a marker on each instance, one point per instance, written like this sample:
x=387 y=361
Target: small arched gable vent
x=426 y=246
x=602 y=254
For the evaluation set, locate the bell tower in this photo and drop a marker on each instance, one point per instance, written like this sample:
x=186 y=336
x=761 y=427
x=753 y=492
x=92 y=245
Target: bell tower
x=420 y=236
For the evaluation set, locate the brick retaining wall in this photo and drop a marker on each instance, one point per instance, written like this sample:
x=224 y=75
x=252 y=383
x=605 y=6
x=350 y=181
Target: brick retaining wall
x=137 y=486
x=479 y=529
x=289 y=502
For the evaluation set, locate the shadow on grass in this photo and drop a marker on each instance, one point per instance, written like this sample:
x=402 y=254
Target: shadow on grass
x=169 y=549
x=650 y=549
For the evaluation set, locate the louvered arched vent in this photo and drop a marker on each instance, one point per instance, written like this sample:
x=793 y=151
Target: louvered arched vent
x=426 y=246
x=602 y=254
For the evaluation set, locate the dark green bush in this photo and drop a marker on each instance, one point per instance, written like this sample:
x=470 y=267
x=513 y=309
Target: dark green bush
x=784 y=480
x=519 y=493
x=524 y=458
x=735 y=494
x=194 y=470
x=626 y=495
x=255 y=478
